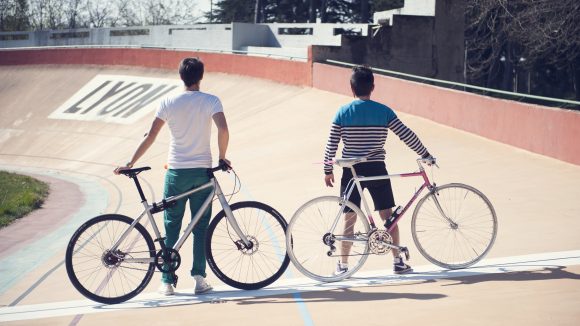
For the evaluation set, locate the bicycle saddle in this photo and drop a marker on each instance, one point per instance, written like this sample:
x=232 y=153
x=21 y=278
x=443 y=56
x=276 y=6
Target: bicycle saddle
x=348 y=162
x=133 y=172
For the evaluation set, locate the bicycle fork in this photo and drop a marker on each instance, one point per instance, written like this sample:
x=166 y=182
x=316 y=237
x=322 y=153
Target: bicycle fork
x=245 y=242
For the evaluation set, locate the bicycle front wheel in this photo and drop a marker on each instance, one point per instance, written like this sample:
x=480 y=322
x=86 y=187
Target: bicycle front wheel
x=109 y=276
x=454 y=226
x=242 y=267
x=315 y=246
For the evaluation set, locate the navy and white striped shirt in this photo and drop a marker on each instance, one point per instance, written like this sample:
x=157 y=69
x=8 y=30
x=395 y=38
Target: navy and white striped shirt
x=363 y=126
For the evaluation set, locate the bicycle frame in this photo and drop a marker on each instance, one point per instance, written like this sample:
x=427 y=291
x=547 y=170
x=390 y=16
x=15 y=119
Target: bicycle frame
x=357 y=180
x=147 y=211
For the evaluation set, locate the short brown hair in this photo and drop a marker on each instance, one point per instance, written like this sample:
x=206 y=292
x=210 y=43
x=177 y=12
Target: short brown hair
x=362 y=80
x=191 y=71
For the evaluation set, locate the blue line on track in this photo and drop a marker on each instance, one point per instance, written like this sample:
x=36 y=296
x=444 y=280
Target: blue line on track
x=302 y=308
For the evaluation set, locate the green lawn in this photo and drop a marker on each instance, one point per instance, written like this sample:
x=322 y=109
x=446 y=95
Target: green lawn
x=19 y=195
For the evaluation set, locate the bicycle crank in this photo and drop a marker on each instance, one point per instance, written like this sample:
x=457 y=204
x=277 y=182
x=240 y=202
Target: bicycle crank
x=168 y=261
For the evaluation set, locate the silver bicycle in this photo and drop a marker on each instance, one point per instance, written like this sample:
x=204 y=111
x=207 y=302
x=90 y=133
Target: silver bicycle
x=453 y=226
x=111 y=258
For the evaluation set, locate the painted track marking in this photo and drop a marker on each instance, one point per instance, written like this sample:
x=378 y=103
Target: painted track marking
x=292 y=286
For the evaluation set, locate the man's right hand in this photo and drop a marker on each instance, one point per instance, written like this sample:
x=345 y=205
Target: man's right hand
x=329 y=180
x=127 y=166
x=226 y=162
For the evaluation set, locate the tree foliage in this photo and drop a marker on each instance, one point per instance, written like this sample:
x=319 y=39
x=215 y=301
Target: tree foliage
x=295 y=11
x=22 y=15
x=507 y=36
x=228 y=11
x=14 y=15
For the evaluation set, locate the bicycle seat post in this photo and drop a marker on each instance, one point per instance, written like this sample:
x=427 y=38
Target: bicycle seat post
x=138 y=185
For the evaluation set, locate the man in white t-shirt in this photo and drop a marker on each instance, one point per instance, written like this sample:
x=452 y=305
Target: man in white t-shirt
x=189 y=116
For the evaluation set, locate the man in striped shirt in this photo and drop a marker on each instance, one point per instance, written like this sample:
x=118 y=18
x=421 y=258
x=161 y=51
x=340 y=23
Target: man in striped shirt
x=363 y=126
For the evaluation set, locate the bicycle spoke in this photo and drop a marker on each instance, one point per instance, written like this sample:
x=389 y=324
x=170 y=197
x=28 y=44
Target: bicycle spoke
x=102 y=275
x=309 y=228
x=248 y=267
x=463 y=242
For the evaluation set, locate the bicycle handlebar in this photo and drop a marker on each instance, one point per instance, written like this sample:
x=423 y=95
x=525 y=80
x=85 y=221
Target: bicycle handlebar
x=428 y=160
x=131 y=173
x=221 y=166
x=347 y=162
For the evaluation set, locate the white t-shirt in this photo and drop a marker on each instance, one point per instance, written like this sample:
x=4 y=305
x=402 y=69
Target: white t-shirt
x=189 y=117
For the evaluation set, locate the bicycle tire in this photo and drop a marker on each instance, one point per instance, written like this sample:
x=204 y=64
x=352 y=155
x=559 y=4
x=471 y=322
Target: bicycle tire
x=305 y=239
x=474 y=231
x=248 y=269
x=105 y=278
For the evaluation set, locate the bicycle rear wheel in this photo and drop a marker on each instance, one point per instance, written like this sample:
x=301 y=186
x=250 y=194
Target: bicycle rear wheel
x=105 y=276
x=465 y=236
x=248 y=268
x=310 y=239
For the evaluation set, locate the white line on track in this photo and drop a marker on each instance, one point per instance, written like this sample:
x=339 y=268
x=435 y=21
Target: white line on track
x=290 y=286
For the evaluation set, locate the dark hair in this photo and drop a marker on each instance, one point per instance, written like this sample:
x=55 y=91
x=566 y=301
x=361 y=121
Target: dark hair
x=191 y=71
x=362 y=80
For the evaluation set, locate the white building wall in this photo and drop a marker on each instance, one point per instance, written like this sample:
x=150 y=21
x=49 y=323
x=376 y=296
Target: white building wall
x=411 y=8
x=263 y=39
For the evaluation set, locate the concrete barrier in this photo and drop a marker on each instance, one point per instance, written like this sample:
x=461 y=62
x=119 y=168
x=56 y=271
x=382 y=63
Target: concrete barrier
x=282 y=71
x=543 y=130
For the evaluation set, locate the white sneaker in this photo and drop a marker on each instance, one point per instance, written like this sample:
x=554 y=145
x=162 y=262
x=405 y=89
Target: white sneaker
x=341 y=268
x=201 y=285
x=166 y=289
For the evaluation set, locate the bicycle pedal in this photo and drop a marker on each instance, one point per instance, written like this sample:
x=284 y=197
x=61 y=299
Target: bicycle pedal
x=175 y=277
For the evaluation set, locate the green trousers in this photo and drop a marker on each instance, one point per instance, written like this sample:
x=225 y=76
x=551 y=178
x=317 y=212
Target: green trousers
x=178 y=181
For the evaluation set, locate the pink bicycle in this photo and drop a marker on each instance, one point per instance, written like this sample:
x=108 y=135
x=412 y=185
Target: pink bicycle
x=453 y=226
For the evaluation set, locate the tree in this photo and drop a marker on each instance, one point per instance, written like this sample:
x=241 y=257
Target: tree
x=504 y=38
x=337 y=11
x=47 y=14
x=127 y=14
x=99 y=14
x=14 y=15
x=287 y=11
x=228 y=11
x=382 y=5
x=168 y=12
x=73 y=14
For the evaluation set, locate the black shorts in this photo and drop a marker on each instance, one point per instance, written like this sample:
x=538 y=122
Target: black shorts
x=380 y=190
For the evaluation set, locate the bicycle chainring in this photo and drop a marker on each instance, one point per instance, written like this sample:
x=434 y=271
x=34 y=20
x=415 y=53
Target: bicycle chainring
x=168 y=263
x=379 y=241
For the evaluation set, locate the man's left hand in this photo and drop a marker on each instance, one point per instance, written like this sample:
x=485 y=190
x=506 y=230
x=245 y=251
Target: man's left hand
x=329 y=180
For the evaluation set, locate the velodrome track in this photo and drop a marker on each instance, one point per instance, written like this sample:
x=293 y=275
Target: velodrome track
x=278 y=132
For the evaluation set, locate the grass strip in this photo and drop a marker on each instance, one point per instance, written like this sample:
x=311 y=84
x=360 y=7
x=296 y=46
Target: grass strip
x=19 y=195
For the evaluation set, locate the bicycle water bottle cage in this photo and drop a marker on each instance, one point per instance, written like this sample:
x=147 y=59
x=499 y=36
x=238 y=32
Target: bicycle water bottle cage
x=131 y=173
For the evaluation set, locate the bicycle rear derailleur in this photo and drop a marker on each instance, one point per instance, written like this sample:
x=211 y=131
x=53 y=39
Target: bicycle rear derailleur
x=329 y=239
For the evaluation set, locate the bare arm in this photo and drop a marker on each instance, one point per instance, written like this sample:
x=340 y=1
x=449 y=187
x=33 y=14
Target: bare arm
x=223 y=134
x=145 y=144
